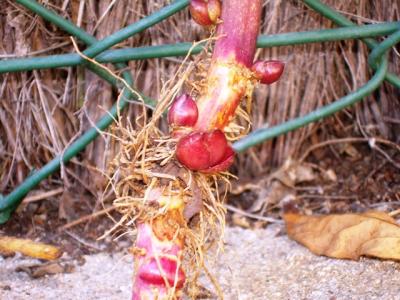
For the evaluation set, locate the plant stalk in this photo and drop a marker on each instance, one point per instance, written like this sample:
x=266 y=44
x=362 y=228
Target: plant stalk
x=229 y=75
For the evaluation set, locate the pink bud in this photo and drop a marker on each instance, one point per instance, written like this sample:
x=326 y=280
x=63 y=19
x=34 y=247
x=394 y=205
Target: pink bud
x=205 y=12
x=205 y=151
x=268 y=71
x=183 y=111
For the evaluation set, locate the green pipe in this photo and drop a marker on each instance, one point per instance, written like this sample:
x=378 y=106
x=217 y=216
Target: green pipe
x=70 y=28
x=255 y=138
x=110 y=41
x=110 y=56
x=20 y=192
x=182 y=49
x=340 y=20
x=327 y=35
x=382 y=48
x=261 y=135
x=52 y=17
x=10 y=202
x=59 y=21
x=264 y=41
x=115 y=38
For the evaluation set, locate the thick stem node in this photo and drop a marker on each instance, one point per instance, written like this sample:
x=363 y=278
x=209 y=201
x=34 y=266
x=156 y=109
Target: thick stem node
x=205 y=151
x=205 y=148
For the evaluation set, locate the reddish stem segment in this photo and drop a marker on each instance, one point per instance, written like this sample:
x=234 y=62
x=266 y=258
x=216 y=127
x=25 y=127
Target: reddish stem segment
x=229 y=75
x=229 y=79
x=238 y=31
x=159 y=248
x=159 y=273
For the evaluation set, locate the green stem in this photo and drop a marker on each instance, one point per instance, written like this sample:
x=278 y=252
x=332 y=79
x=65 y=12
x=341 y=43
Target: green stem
x=182 y=49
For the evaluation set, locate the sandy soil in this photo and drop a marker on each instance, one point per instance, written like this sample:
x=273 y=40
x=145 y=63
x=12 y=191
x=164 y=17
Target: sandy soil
x=256 y=264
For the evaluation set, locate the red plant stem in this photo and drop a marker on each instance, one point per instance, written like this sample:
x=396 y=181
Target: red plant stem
x=228 y=78
x=158 y=249
x=238 y=31
x=158 y=257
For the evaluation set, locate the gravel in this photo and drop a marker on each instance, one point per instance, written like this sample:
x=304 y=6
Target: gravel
x=256 y=264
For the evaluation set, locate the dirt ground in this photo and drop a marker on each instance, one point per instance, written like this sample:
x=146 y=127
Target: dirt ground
x=256 y=264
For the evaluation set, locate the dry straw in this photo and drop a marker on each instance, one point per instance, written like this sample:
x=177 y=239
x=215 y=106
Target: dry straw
x=43 y=111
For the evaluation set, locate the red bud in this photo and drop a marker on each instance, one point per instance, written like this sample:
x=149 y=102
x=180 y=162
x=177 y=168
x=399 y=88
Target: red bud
x=268 y=71
x=192 y=152
x=183 y=111
x=205 y=151
x=216 y=145
x=205 y=12
x=224 y=164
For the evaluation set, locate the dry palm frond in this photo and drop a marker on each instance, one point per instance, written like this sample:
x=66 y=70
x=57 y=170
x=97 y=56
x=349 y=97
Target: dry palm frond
x=42 y=112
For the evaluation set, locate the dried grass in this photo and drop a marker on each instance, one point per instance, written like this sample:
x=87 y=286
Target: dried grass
x=316 y=75
x=43 y=111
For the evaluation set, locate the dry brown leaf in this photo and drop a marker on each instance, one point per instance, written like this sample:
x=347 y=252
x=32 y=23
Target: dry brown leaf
x=240 y=221
x=66 y=209
x=347 y=236
x=28 y=247
x=40 y=270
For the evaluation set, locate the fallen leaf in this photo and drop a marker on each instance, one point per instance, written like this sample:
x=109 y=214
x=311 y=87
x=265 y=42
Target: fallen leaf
x=330 y=175
x=271 y=195
x=240 y=221
x=66 y=209
x=40 y=270
x=348 y=236
x=29 y=248
x=350 y=150
x=281 y=184
x=301 y=173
